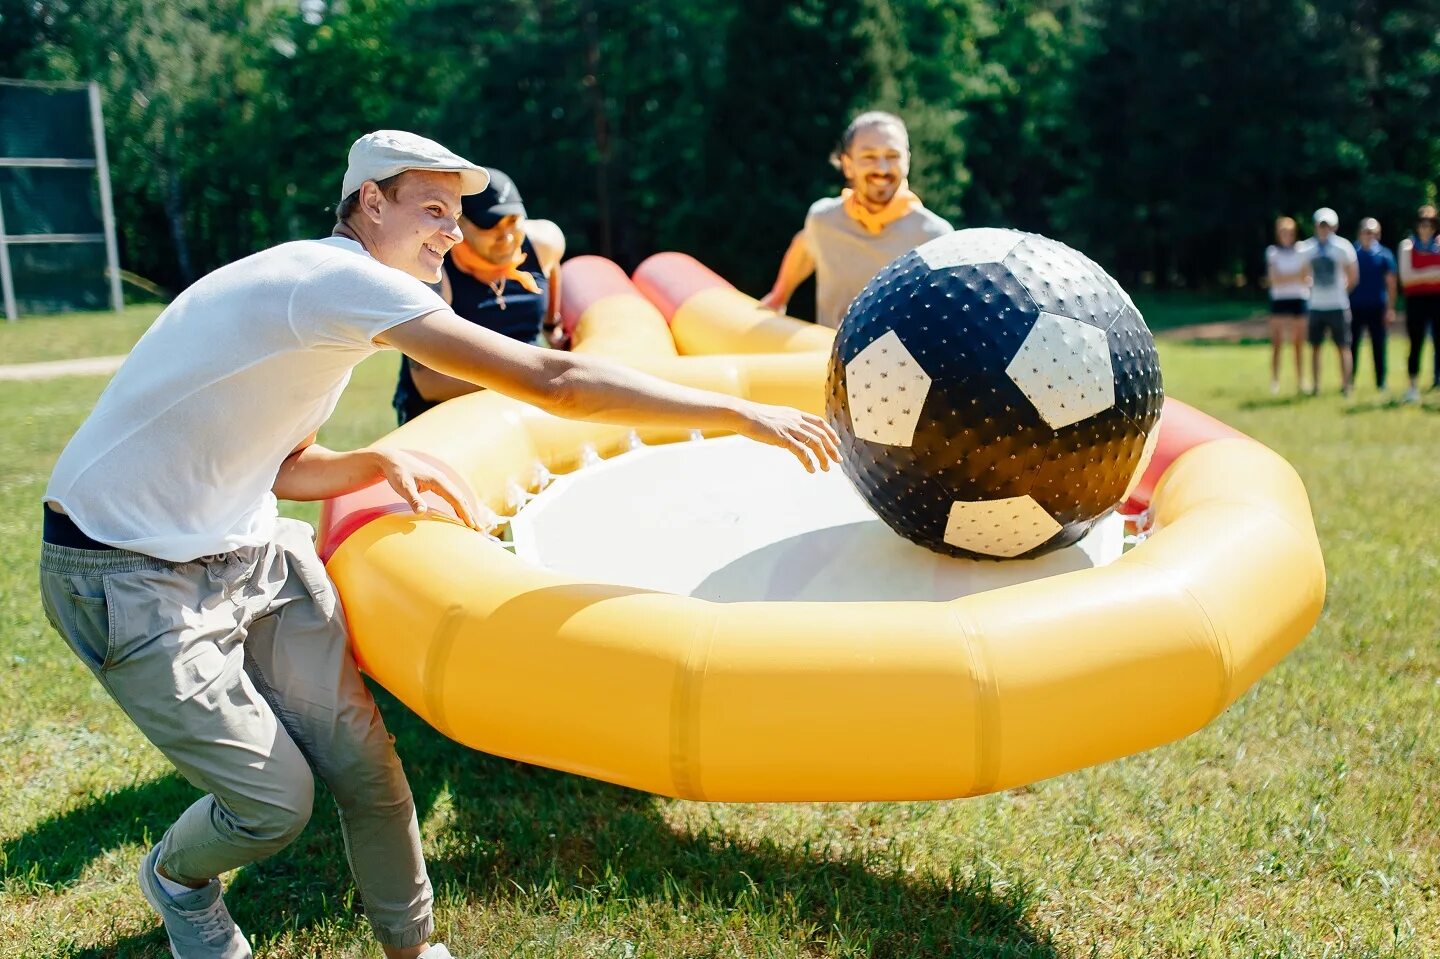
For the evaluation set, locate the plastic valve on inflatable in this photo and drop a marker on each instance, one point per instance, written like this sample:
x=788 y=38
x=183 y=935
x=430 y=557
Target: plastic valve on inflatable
x=703 y=695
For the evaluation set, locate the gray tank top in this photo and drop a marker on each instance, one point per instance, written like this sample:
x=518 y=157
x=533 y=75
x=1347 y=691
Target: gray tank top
x=846 y=256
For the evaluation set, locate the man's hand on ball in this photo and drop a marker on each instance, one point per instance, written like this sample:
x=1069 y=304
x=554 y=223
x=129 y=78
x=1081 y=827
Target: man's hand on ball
x=410 y=476
x=806 y=435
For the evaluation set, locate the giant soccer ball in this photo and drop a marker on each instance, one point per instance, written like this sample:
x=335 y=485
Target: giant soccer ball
x=996 y=394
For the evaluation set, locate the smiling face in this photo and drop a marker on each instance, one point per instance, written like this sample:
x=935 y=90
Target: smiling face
x=498 y=243
x=877 y=162
x=413 y=230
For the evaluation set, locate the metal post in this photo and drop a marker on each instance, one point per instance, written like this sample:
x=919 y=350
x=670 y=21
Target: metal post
x=7 y=282
x=107 y=207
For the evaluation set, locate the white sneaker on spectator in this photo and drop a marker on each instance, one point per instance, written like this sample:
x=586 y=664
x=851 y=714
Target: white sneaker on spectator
x=197 y=922
x=1412 y=395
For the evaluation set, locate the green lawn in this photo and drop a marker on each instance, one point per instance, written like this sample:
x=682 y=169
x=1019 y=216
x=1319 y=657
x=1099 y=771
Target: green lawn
x=34 y=339
x=1303 y=822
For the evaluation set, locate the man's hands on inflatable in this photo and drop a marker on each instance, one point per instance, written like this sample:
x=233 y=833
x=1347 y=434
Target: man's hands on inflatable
x=409 y=475
x=806 y=435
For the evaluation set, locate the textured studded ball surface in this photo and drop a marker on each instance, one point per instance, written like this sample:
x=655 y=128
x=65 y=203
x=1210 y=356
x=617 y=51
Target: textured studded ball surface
x=996 y=393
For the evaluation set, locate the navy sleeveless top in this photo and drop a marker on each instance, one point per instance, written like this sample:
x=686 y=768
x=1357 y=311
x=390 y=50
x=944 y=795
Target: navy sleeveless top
x=522 y=317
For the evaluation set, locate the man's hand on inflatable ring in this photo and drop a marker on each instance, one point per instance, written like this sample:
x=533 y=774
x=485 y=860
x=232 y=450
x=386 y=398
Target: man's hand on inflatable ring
x=806 y=435
x=409 y=475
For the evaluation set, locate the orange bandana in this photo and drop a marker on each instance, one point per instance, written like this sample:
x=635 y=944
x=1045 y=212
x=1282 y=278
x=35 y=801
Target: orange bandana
x=468 y=261
x=874 y=221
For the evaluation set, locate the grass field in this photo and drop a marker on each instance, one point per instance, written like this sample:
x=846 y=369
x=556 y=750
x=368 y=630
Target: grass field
x=1303 y=822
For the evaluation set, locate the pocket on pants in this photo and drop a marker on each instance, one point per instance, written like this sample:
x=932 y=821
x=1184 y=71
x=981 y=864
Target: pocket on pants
x=297 y=540
x=85 y=623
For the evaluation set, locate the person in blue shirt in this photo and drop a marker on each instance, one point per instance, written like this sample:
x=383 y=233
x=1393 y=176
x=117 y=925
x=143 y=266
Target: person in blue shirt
x=1372 y=302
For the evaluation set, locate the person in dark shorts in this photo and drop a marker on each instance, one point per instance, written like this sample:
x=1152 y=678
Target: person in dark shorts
x=1372 y=302
x=1420 y=278
x=504 y=276
x=1331 y=263
x=1289 y=300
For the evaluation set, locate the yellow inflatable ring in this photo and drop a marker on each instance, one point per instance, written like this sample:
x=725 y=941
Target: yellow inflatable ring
x=815 y=701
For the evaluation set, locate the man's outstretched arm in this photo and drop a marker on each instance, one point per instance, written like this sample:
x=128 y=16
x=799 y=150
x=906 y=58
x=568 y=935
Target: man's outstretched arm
x=795 y=268
x=578 y=386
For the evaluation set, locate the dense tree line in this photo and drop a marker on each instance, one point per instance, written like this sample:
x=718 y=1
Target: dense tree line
x=1161 y=136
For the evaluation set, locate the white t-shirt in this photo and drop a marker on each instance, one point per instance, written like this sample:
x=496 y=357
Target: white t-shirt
x=1330 y=289
x=1287 y=259
x=179 y=455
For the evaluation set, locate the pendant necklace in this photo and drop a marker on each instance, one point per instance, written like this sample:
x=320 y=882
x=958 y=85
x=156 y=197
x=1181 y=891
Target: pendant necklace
x=498 y=288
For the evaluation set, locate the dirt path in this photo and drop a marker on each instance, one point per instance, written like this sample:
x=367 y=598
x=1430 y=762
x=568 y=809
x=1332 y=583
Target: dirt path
x=94 y=366
x=1233 y=331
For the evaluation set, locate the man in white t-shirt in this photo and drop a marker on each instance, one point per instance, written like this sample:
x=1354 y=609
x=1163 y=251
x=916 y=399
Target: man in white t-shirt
x=208 y=618
x=1333 y=269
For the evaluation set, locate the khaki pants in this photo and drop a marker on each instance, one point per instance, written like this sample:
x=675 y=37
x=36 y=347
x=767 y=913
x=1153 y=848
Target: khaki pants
x=237 y=667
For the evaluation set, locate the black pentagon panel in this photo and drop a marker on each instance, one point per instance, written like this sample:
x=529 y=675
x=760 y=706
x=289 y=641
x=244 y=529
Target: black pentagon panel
x=1087 y=468
x=943 y=425
x=1139 y=389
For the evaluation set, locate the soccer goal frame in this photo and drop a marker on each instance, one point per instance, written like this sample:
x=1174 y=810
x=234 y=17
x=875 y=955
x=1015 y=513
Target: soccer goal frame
x=100 y=163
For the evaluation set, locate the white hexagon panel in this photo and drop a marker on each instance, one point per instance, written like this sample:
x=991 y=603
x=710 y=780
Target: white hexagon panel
x=1063 y=367
x=967 y=247
x=999 y=527
x=886 y=388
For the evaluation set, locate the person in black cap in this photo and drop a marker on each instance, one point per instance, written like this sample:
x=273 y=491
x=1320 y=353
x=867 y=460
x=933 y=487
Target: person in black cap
x=504 y=276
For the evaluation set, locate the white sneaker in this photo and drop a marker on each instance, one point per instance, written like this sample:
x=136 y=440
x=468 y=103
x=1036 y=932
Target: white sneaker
x=1412 y=395
x=1274 y=387
x=197 y=922
x=437 y=951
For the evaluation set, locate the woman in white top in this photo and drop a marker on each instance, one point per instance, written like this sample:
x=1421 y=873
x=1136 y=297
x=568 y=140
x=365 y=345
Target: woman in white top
x=1289 y=299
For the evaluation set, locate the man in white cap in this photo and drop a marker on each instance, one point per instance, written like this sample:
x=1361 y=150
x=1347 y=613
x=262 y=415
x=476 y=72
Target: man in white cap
x=1333 y=269
x=210 y=620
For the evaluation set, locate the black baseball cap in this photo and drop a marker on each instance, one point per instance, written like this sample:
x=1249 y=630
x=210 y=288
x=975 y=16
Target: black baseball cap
x=501 y=198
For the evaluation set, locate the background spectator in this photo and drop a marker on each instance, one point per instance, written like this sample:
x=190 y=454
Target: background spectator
x=1420 y=277
x=1372 y=302
x=1331 y=263
x=1289 y=300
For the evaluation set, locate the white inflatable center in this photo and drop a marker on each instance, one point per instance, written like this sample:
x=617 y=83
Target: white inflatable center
x=730 y=520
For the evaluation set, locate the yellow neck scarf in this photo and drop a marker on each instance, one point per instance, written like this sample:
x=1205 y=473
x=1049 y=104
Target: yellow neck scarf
x=468 y=261
x=874 y=221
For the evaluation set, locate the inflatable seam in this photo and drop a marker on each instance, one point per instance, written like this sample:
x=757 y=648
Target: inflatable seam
x=447 y=631
x=685 y=722
x=987 y=706
x=1219 y=639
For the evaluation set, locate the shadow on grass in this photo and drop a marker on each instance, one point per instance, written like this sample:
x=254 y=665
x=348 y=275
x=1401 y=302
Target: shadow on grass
x=518 y=831
x=1276 y=402
x=1373 y=406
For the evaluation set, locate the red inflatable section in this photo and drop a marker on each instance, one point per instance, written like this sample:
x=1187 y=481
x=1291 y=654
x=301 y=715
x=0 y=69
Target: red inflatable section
x=343 y=515
x=1182 y=428
x=669 y=279
x=589 y=279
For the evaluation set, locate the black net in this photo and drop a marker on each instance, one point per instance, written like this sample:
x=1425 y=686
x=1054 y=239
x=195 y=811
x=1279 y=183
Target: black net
x=43 y=200
x=40 y=122
x=56 y=277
